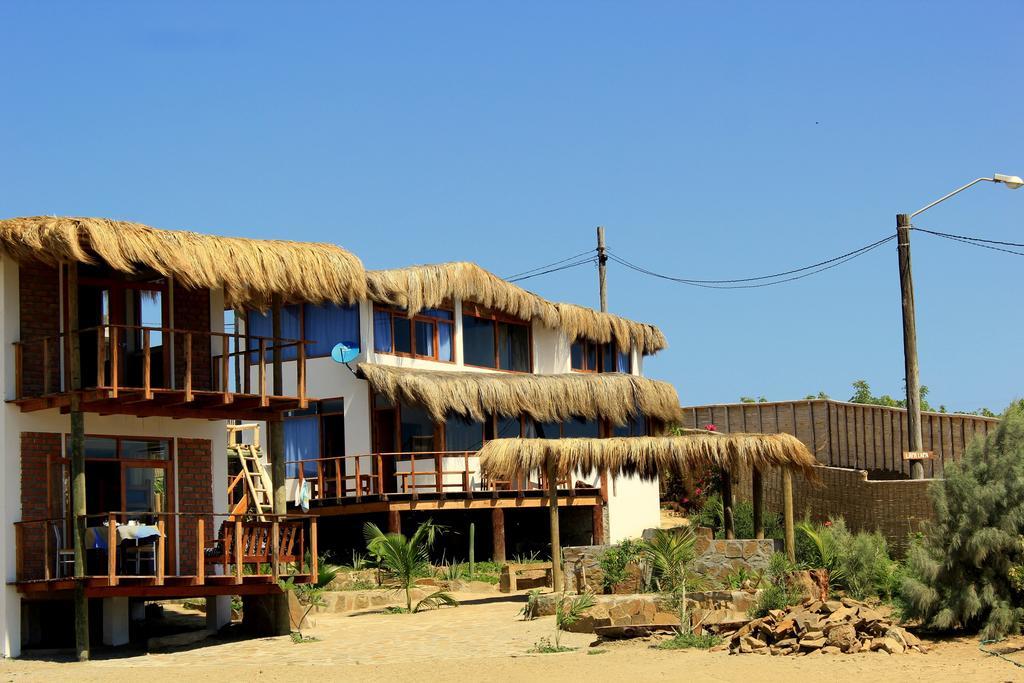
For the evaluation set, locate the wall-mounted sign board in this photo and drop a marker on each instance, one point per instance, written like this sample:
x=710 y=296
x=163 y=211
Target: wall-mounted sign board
x=918 y=455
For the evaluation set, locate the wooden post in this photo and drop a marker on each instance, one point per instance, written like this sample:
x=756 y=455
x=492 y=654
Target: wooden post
x=74 y=364
x=277 y=464
x=112 y=549
x=300 y=379
x=200 y=551
x=263 y=372
x=394 y=522
x=161 y=552
x=727 y=503
x=758 y=502
x=188 y=367
x=472 y=550
x=147 y=366
x=314 y=549
x=598 y=525
x=602 y=266
x=225 y=367
x=19 y=549
x=912 y=376
x=787 y=513
x=238 y=549
x=275 y=549
x=380 y=475
x=46 y=366
x=19 y=373
x=101 y=357
x=359 y=479
x=556 y=541
x=438 y=478
x=114 y=361
x=498 y=534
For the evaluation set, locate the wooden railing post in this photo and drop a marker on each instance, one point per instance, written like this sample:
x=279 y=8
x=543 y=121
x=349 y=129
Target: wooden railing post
x=19 y=552
x=238 y=550
x=275 y=549
x=263 y=373
x=101 y=357
x=147 y=365
x=380 y=475
x=300 y=370
x=359 y=479
x=465 y=473
x=314 y=553
x=225 y=386
x=246 y=362
x=47 y=567
x=111 y=549
x=438 y=474
x=161 y=552
x=200 y=551
x=114 y=361
x=188 y=367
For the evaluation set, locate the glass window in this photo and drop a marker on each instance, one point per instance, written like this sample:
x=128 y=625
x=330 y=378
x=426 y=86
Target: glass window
x=513 y=347
x=301 y=442
x=509 y=428
x=144 y=450
x=591 y=357
x=403 y=334
x=417 y=430
x=444 y=342
x=577 y=356
x=636 y=426
x=608 y=352
x=330 y=325
x=262 y=325
x=463 y=434
x=580 y=429
x=145 y=489
x=624 y=363
x=424 y=338
x=382 y=331
x=97 y=447
x=548 y=430
x=438 y=313
x=478 y=341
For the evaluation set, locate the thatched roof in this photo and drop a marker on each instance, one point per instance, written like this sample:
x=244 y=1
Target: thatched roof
x=248 y=270
x=428 y=286
x=545 y=398
x=646 y=456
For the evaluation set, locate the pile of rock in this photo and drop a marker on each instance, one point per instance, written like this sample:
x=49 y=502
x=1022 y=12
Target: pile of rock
x=822 y=627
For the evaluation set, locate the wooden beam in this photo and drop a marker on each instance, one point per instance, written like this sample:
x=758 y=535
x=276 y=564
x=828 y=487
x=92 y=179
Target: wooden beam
x=314 y=549
x=598 y=525
x=114 y=362
x=147 y=366
x=112 y=549
x=787 y=513
x=275 y=549
x=188 y=367
x=556 y=541
x=758 y=502
x=161 y=552
x=238 y=550
x=101 y=356
x=78 y=508
x=498 y=535
x=727 y=503
x=200 y=550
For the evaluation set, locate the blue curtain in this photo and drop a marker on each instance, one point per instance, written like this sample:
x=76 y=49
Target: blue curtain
x=330 y=325
x=444 y=342
x=622 y=362
x=262 y=325
x=382 y=331
x=301 y=442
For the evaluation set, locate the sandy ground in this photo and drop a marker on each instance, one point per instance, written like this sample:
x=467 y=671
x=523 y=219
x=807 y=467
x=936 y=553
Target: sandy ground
x=485 y=640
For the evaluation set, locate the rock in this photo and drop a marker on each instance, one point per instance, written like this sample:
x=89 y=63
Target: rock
x=811 y=643
x=911 y=639
x=814 y=635
x=830 y=650
x=842 y=636
x=854 y=648
x=784 y=626
x=833 y=605
x=891 y=645
x=754 y=643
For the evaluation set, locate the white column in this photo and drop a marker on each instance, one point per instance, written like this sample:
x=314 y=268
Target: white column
x=115 y=621
x=218 y=612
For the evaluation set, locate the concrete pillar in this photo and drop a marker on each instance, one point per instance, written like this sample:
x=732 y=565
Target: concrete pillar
x=218 y=611
x=115 y=621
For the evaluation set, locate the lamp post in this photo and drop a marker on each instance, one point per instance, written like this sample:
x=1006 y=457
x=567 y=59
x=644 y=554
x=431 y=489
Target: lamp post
x=913 y=379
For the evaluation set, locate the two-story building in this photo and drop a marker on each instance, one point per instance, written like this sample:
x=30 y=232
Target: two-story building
x=443 y=358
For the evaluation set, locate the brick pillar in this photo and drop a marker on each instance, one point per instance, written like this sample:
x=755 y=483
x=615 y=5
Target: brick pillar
x=195 y=494
x=37 y=448
x=39 y=299
x=192 y=312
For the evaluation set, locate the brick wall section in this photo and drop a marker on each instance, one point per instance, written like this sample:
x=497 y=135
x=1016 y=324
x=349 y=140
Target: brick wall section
x=192 y=312
x=39 y=298
x=36 y=449
x=894 y=507
x=195 y=494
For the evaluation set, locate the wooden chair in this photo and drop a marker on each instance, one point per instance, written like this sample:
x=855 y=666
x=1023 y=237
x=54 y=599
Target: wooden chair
x=140 y=552
x=256 y=544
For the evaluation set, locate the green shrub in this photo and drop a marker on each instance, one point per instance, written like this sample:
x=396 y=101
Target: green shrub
x=777 y=592
x=683 y=641
x=616 y=559
x=857 y=563
x=711 y=514
x=961 y=575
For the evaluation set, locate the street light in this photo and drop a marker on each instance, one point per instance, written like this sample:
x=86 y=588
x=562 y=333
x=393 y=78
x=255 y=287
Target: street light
x=913 y=380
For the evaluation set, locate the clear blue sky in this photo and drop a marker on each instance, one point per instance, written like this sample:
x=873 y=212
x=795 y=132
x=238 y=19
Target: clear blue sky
x=714 y=140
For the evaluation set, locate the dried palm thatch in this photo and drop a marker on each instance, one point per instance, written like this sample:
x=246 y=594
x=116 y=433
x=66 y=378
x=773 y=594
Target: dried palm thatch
x=545 y=398
x=646 y=456
x=418 y=287
x=250 y=271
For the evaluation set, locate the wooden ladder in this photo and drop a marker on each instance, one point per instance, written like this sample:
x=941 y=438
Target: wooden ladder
x=258 y=500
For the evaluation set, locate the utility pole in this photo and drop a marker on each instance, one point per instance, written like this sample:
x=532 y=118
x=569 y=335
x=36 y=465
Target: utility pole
x=913 y=378
x=602 y=266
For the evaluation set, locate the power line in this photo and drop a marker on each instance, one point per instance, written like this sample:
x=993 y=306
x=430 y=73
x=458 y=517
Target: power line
x=976 y=241
x=549 y=265
x=761 y=280
x=584 y=262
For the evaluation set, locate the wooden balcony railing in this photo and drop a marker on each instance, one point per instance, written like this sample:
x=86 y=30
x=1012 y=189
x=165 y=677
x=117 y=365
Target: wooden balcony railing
x=439 y=472
x=119 y=361
x=183 y=549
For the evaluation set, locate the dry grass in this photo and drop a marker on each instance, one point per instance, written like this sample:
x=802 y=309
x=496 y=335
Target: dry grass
x=646 y=456
x=545 y=398
x=250 y=271
x=418 y=287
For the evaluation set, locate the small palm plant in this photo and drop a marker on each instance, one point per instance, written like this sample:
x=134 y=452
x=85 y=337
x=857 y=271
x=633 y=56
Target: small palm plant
x=669 y=555
x=568 y=612
x=403 y=560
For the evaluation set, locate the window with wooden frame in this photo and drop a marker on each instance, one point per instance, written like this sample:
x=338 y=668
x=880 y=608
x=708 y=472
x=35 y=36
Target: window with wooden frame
x=427 y=335
x=588 y=356
x=325 y=326
x=313 y=433
x=493 y=340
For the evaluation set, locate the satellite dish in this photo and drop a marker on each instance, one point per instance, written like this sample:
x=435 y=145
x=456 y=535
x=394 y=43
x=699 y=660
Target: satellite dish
x=343 y=354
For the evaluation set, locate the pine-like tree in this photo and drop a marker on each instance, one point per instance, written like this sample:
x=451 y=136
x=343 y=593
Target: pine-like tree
x=960 y=576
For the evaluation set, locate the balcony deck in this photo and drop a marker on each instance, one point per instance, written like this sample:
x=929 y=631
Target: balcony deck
x=236 y=562
x=443 y=480
x=146 y=382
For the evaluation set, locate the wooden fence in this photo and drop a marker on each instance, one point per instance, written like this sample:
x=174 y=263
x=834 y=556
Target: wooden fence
x=851 y=435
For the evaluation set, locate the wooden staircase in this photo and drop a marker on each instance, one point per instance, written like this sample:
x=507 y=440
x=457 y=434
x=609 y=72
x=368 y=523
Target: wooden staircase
x=256 y=499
